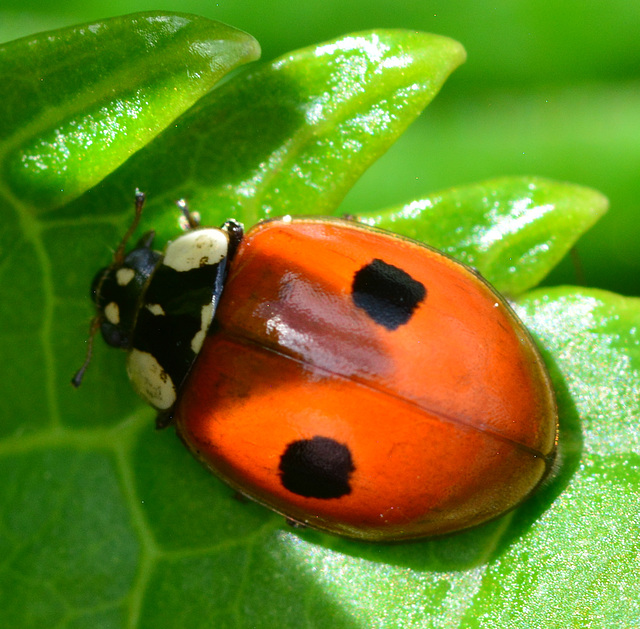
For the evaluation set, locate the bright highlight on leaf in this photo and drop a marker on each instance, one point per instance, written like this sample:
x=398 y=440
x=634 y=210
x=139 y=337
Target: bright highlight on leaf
x=514 y=230
x=293 y=136
x=80 y=101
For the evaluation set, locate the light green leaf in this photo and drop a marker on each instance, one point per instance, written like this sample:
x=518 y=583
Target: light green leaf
x=291 y=136
x=514 y=229
x=78 y=102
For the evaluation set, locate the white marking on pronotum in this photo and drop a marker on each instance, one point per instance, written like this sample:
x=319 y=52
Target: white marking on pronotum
x=155 y=309
x=206 y=314
x=150 y=380
x=124 y=276
x=197 y=248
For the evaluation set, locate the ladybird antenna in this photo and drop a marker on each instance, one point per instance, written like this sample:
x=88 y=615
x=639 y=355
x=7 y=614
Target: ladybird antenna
x=118 y=256
x=192 y=220
x=118 y=259
x=96 y=322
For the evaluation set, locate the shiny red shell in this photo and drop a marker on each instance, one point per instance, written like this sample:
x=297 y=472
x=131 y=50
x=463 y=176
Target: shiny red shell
x=449 y=419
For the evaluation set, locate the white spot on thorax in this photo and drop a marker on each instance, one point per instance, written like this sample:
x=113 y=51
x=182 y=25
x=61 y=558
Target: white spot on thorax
x=124 y=276
x=206 y=315
x=150 y=381
x=155 y=309
x=197 y=248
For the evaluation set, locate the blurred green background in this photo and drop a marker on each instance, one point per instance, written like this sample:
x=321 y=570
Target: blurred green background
x=549 y=88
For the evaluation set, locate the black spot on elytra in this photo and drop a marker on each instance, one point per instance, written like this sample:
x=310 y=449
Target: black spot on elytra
x=317 y=468
x=386 y=293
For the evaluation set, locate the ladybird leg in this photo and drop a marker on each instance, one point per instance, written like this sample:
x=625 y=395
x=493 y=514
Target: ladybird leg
x=235 y=231
x=164 y=419
x=193 y=221
x=240 y=497
x=295 y=524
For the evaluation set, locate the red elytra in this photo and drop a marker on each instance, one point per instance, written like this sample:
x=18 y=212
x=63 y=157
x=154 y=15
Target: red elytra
x=367 y=385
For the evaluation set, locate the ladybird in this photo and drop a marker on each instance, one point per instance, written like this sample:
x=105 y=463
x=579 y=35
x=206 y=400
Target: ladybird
x=350 y=379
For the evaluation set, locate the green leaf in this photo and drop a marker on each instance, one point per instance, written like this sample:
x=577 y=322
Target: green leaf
x=79 y=101
x=106 y=523
x=514 y=229
x=577 y=565
x=291 y=136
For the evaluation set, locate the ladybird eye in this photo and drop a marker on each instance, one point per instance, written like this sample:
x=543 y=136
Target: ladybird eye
x=386 y=293
x=114 y=335
x=98 y=279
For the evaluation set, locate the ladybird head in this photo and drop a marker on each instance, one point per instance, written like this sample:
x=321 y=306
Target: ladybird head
x=114 y=312
x=116 y=291
x=159 y=306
